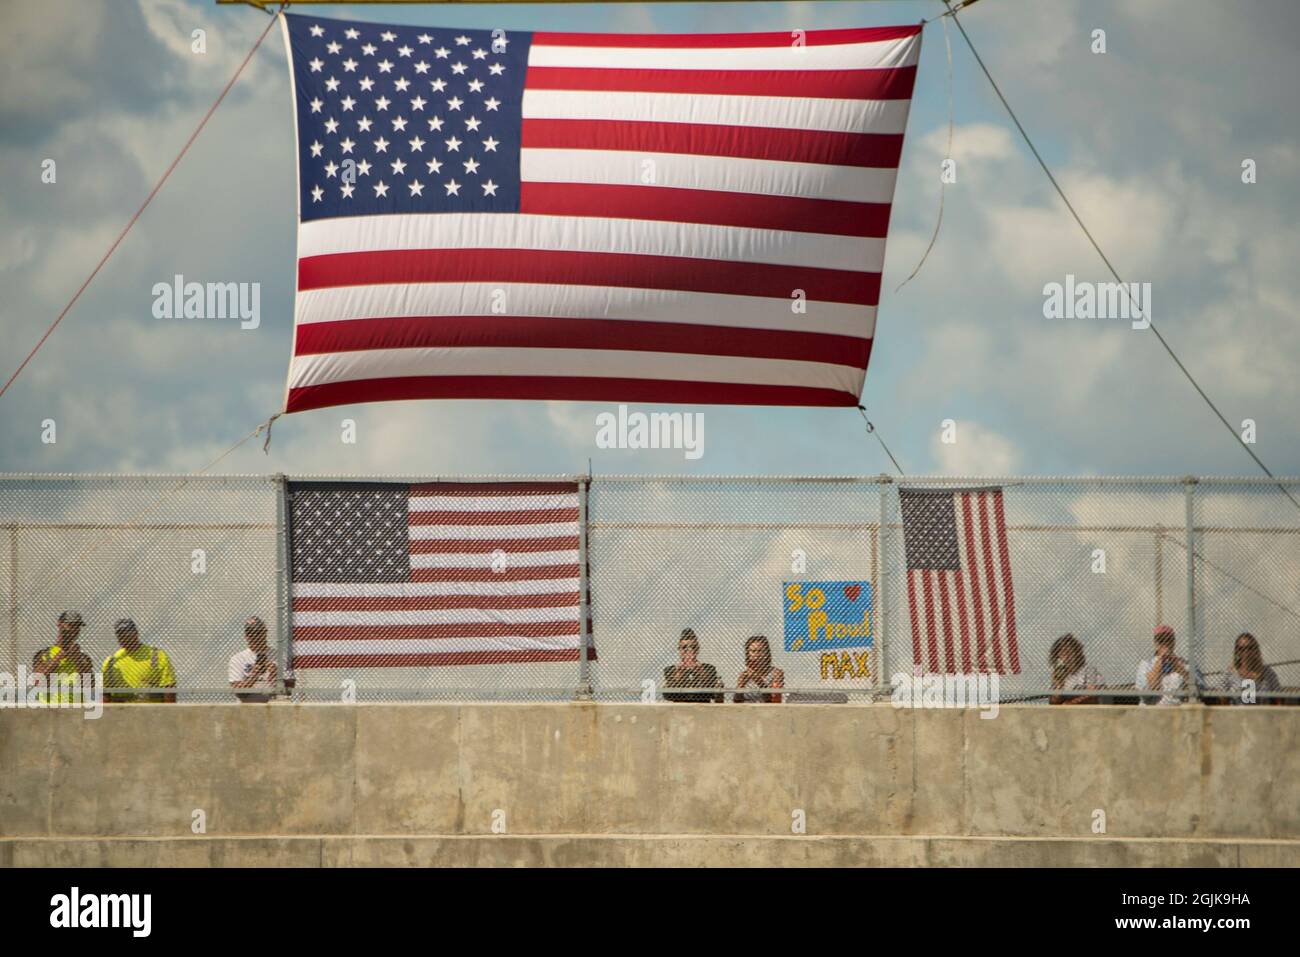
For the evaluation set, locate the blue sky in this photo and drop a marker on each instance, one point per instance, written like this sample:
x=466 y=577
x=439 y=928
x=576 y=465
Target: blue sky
x=1148 y=138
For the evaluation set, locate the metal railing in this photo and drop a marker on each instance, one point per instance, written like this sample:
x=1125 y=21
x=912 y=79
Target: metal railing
x=1104 y=559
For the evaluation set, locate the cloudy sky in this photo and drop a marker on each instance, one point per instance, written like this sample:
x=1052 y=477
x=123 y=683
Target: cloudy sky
x=1148 y=138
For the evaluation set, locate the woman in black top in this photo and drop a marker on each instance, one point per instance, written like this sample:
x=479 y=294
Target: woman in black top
x=690 y=672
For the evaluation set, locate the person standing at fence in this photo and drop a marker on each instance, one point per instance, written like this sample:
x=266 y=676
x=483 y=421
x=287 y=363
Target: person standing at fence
x=61 y=663
x=1071 y=672
x=690 y=672
x=253 y=668
x=1249 y=674
x=1164 y=672
x=136 y=665
x=760 y=671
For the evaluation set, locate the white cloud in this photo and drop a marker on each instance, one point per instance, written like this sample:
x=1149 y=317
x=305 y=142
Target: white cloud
x=1146 y=139
x=978 y=450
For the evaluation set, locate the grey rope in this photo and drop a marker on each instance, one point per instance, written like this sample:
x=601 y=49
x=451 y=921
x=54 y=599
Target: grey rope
x=952 y=11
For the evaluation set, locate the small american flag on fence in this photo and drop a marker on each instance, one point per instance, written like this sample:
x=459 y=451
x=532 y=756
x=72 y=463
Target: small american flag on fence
x=959 y=590
x=390 y=575
x=680 y=218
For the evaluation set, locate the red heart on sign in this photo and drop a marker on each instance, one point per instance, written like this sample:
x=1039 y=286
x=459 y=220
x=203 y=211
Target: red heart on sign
x=852 y=592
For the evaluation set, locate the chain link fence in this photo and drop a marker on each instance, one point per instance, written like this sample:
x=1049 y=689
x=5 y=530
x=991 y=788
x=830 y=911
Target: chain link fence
x=677 y=576
x=185 y=559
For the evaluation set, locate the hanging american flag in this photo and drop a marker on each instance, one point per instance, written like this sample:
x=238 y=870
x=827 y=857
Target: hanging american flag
x=686 y=218
x=959 y=590
x=389 y=575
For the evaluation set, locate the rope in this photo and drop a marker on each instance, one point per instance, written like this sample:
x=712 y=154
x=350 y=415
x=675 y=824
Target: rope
x=1230 y=576
x=943 y=186
x=143 y=206
x=266 y=444
x=952 y=11
x=871 y=429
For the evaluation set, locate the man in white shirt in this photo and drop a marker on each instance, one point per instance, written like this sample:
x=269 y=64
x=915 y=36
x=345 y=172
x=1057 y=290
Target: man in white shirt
x=1164 y=672
x=252 y=668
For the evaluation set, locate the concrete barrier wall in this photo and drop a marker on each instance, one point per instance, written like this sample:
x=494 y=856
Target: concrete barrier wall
x=581 y=769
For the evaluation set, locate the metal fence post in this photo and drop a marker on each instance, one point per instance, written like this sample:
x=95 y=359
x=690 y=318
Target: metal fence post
x=283 y=588
x=1160 y=575
x=13 y=600
x=882 y=672
x=1194 y=650
x=585 y=691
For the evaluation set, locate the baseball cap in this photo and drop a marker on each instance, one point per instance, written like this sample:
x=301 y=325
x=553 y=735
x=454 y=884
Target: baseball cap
x=1164 y=631
x=125 y=626
x=70 y=618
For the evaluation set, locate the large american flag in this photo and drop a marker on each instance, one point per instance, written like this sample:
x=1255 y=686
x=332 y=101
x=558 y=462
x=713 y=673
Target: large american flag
x=686 y=218
x=959 y=589
x=446 y=573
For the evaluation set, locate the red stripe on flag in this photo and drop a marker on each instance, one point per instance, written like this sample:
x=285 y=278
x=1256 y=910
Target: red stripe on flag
x=565 y=388
x=950 y=663
x=879 y=84
x=1013 y=650
x=531 y=516
x=915 y=613
x=472 y=629
x=877 y=150
x=437 y=658
x=971 y=564
x=682 y=41
x=560 y=267
x=547 y=332
x=709 y=207
x=481 y=489
x=931 y=632
x=431 y=602
x=986 y=556
x=477 y=546
x=511 y=574
x=962 y=624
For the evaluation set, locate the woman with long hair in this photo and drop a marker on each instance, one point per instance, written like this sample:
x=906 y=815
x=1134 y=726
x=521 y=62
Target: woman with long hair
x=1071 y=672
x=1248 y=666
x=760 y=671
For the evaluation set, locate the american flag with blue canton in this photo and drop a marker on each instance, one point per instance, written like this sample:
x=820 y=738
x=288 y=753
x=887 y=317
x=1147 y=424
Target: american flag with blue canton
x=621 y=217
x=960 y=595
x=392 y=575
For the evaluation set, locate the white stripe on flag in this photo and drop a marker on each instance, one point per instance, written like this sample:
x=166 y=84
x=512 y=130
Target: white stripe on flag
x=882 y=54
x=485 y=559
x=431 y=616
x=487 y=532
x=487 y=589
x=990 y=584
x=589 y=234
x=379 y=648
x=728 y=174
x=973 y=575
x=490 y=503
x=924 y=613
x=999 y=591
x=948 y=638
x=582 y=302
x=308 y=370
x=770 y=112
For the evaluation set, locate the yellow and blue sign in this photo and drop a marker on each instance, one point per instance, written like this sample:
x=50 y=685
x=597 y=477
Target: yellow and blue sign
x=828 y=616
